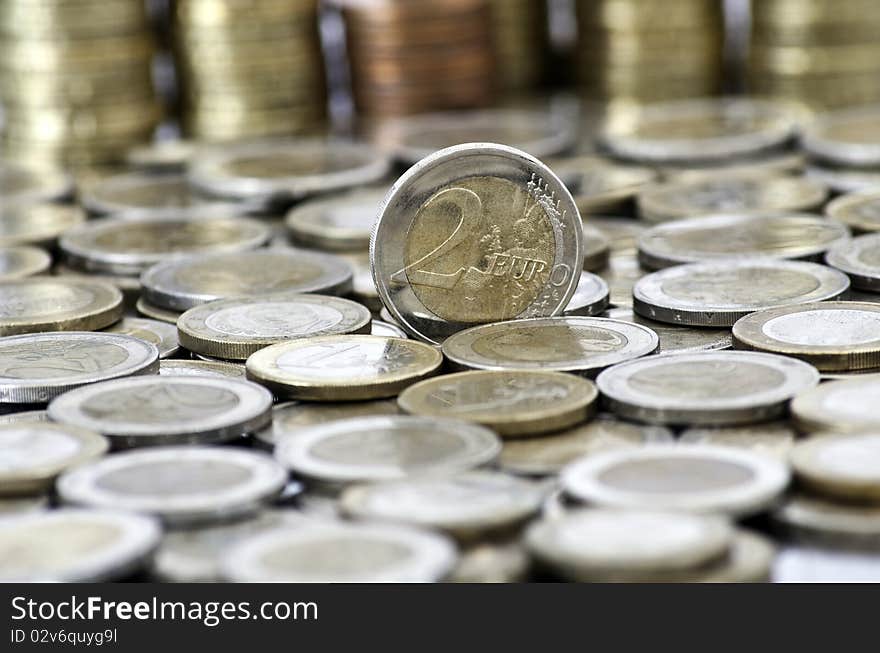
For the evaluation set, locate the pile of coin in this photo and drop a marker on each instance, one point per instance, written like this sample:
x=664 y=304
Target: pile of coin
x=521 y=34
x=249 y=69
x=75 y=81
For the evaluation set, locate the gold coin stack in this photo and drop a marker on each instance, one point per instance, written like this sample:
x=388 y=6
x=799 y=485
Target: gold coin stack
x=410 y=56
x=821 y=53
x=249 y=68
x=640 y=51
x=521 y=38
x=75 y=80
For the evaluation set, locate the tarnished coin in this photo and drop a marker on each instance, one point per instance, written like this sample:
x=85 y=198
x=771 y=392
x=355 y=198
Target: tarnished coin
x=156 y=313
x=472 y=234
x=181 y=284
x=860 y=211
x=36 y=224
x=138 y=191
x=161 y=334
x=200 y=368
x=233 y=329
x=597 y=248
x=547 y=455
x=774 y=439
x=519 y=403
x=584 y=345
x=608 y=545
x=339 y=222
x=467 y=506
x=705 y=388
x=22 y=261
x=833 y=336
x=730 y=194
x=283 y=171
x=694 y=478
x=621 y=275
x=677 y=339
x=491 y=562
x=32 y=455
x=591 y=296
x=380 y=448
x=859 y=258
x=387 y=330
x=839 y=524
x=343 y=368
x=839 y=406
x=324 y=553
x=75 y=546
x=600 y=186
x=165 y=156
x=56 y=304
x=840 y=466
x=35 y=368
x=718 y=294
x=20 y=185
x=848 y=137
x=131 y=246
x=732 y=237
x=150 y=411
x=179 y=485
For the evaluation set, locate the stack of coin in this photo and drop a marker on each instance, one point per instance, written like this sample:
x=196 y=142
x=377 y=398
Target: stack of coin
x=638 y=51
x=820 y=53
x=75 y=80
x=521 y=37
x=249 y=68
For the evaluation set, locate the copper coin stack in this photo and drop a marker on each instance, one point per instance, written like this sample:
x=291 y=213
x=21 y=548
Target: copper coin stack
x=75 y=80
x=249 y=68
x=521 y=40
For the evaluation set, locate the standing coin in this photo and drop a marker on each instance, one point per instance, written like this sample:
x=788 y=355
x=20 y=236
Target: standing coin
x=839 y=406
x=181 y=284
x=519 y=403
x=57 y=304
x=36 y=224
x=472 y=234
x=233 y=329
x=584 y=345
x=859 y=258
x=591 y=296
x=677 y=339
x=840 y=466
x=161 y=334
x=343 y=368
x=180 y=485
x=694 y=478
x=774 y=439
x=710 y=388
x=200 y=368
x=166 y=410
x=22 y=261
x=718 y=294
x=860 y=211
x=339 y=222
x=833 y=336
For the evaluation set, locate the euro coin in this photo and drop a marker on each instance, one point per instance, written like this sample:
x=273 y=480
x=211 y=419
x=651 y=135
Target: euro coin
x=156 y=313
x=161 y=334
x=387 y=330
x=597 y=248
x=22 y=261
x=774 y=439
x=36 y=223
x=138 y=191
x=590 y=297
x=677 y=339
x=169 y=367
x=850 y=137
x=37 y=304
x=839 y=466
x=860 y=211
x=860 y=260
x=819 y=521
x=341 y=222
x=848 y=406
x=599 y=186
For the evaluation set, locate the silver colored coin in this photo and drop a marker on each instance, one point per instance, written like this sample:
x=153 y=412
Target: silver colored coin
x=860 y=260
x=75 y=546
x=490 y=562
x=512 y=210
x=774 y=439
x=848 y=137
x=849 y=406
x=161 y=334
x=200 y=368
x=387 y=330
x=323 y=554
x=166 y=410
x=735 y=237
x=341 y=222
x=178 y=485
x=382 y=448
x=21 y=185
x=817 y=521
x=584 y=345
x=590 y=298
x=693 y=478
x=138 y=191
x=179 y=285
x=705 y=388
x=23 y=261
x=677 y=339
x=36 y=368
x=718 y=294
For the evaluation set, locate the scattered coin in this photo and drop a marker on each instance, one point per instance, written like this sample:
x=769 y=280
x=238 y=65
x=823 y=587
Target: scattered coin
x=584 y=345
x=161 y=334
x=519 y=403
x=36 y=224
x=774 y=439
x=137 y=191
x=695 y=478
x=156 y=313
x=348 y=368
x=597 y=248
x=847 y=137
x=819 y=521
x=492 y=563
x=200 y=368
x=387 y=330
x=718 y=294
x=150 y=411
x=860 y=211
x=590 y=298
x=22 y=261
x=840 y=466
x=180 y=486
x=677 y=339
x=839 y=406
x=495 y=236
x=600 y=186
x=621 y=275
x=860 y=260
x=339 y=222
x=705 y=388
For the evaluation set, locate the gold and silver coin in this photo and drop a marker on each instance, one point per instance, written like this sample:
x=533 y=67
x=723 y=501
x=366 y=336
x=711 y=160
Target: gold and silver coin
x=36 y=368
x=37 y=304
x=846 y=406
x=233 y=329
x=169 y=367
x=717 y=294
x=849 y=137
x=75 y=546
x=732 y=237
x=513 y=404
x=860 y=260
x=341 y=222
x=832 y=336
x=161 y=334
x=693 y=478
x=179 y=485
x=181 y=284
x=381 y=448
x=860 y=211
x=32 y=455
x=705 y=388
x=600 y=186
x=150 y=411
x=22 y=261
x=677 y=339
x=815 y=520
x=591 y=296
x=472 y=234
x=138 y=192
x=343 y=368
x=37 y=224
x=774 y=439
x=730 y=194
x=597 y=248
x=583 y=345
x=322 y=553
x=844 y=467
